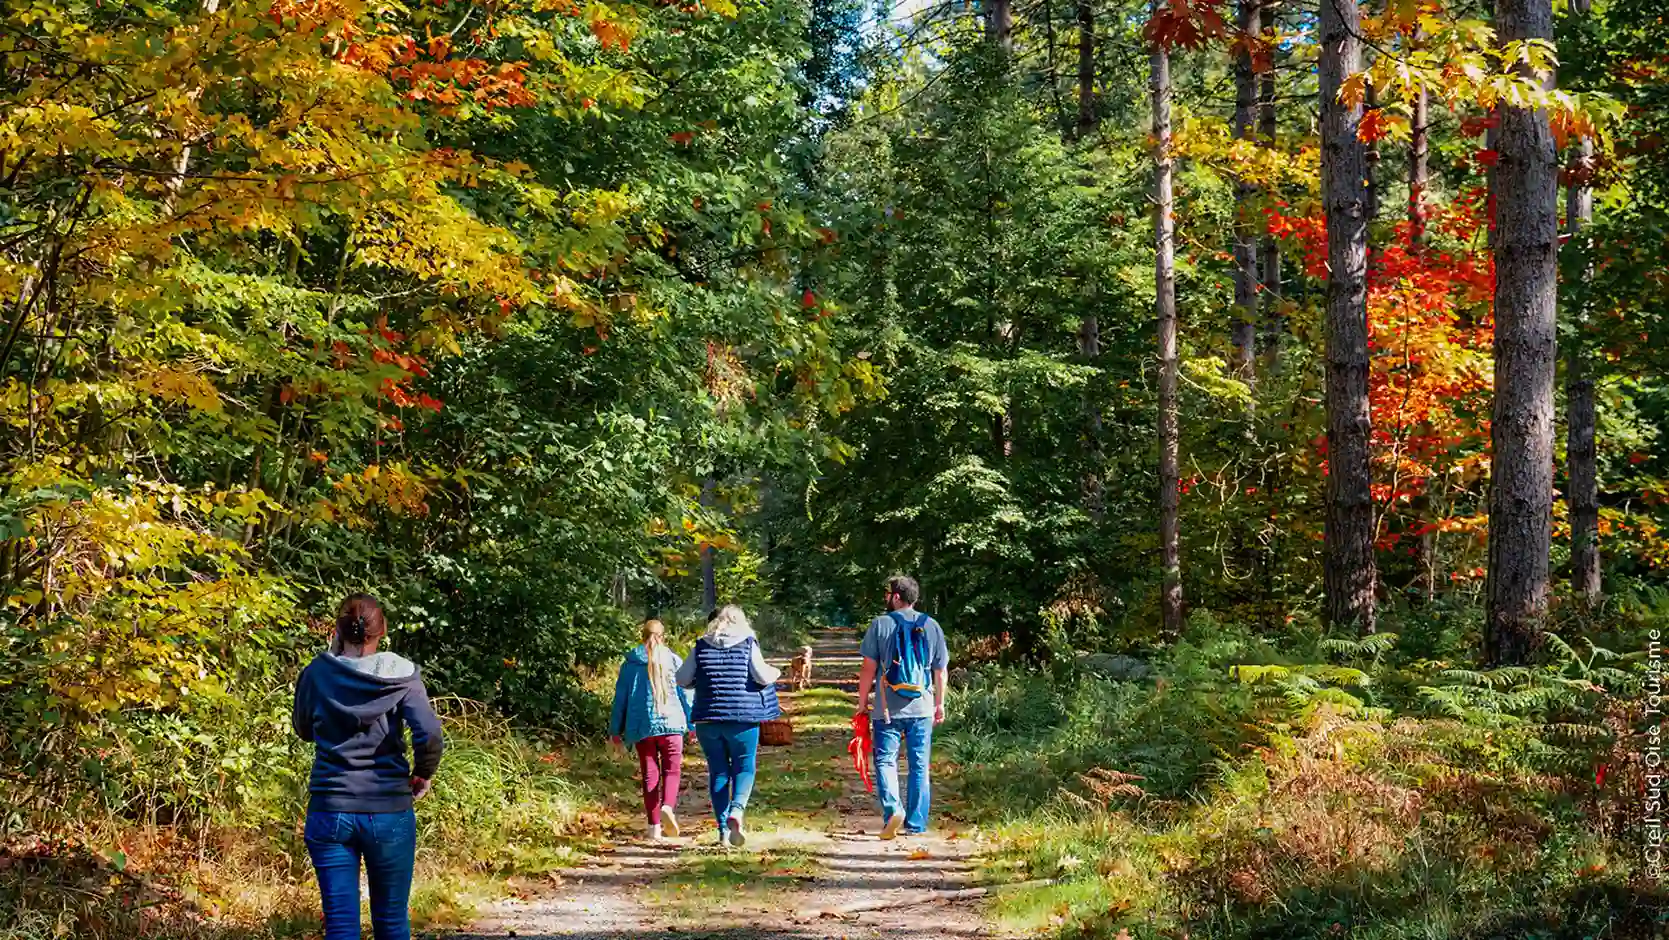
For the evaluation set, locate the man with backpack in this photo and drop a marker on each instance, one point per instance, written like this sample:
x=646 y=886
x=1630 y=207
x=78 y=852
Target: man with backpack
x=906 y=661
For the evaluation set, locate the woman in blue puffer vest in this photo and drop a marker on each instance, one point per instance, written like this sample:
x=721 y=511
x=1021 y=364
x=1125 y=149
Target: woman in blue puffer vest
x=652 y=716
x=735 y=692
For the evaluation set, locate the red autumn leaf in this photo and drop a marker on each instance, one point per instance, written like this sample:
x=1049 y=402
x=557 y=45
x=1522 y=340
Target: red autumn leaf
x=808 y=299
x=1374 y=127
x=1185 y=24
x=1476 y=126
x=682 y=137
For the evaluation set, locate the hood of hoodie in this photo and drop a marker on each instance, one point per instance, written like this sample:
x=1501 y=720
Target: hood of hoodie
x=382 y=665
x=364 y=687
x=726 y=635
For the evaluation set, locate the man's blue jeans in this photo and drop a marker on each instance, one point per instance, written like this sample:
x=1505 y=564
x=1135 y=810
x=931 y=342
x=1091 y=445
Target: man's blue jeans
x=732 y=752
x=388 y=843
x=917 y=735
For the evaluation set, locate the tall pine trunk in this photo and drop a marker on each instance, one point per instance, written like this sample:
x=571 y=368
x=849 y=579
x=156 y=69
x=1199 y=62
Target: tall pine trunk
x=1419 y=174
x=1526 y=350
x=1269 y=253
x=1089 y=350
x=999 y=24
x=1581 y=412
x=1089 y=330
x=1245 y=231
x=709 y=574
x=1164 y=279
x=1350 y=574
x=1086 y=68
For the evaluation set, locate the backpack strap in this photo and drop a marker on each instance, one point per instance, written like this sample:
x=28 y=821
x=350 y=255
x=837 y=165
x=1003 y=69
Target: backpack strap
x=898 y=618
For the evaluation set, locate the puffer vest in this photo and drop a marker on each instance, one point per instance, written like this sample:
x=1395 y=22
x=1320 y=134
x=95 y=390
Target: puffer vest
x=723 y=689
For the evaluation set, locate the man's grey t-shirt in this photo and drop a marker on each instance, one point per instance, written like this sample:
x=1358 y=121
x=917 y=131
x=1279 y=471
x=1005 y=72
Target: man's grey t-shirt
x=877 y=645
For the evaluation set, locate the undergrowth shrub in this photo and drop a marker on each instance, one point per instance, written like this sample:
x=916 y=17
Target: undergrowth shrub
x=1324 y=787
x=197 y=832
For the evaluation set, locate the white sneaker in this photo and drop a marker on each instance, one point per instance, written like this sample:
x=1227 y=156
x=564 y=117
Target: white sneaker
x=724 y=837
x=733 y=829
x=889 y=831
x=655 y=833
x=669 y=823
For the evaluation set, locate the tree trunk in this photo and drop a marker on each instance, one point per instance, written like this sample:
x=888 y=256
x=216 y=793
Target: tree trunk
x=1492 y=143
x=175 y=182
x=1164 y=228
x=1372 y=177
x=1086 y=69
x=1526 y=349
x=1581 y=412
x=1245 y=231
x=1089 y=350
x=709 y=576
x=1419 y=152
x=999 y=24
x=1350 y=567
x=1269 y=253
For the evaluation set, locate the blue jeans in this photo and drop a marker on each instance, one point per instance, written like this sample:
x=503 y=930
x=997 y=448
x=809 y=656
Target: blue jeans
x=917 y=735
x=388 y=843
x=732 y=752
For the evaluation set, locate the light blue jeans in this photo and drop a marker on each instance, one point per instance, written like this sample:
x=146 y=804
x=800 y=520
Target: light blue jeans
x=387 y=842
x=916 y=734
x=732 y=752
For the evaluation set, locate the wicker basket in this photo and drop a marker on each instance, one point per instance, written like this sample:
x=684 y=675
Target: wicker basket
x=778 y=732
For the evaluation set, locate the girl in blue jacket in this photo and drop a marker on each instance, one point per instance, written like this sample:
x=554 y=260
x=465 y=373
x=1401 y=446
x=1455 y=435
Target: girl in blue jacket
x=653 y=715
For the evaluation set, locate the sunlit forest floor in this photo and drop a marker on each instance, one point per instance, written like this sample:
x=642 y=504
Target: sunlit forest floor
x=1148 y=805
x=811 y=858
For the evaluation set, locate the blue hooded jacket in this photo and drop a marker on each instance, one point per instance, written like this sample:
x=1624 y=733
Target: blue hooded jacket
x=635 y=715
x=356 y=711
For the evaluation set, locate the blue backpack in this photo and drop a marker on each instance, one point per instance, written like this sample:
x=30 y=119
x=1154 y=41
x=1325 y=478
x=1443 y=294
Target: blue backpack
x=906 y=674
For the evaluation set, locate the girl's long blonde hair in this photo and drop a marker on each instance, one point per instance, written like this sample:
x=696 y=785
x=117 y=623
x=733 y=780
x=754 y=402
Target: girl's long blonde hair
x=654 y=640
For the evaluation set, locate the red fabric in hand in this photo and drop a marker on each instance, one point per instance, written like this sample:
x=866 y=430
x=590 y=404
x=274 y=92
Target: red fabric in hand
x=860 y=749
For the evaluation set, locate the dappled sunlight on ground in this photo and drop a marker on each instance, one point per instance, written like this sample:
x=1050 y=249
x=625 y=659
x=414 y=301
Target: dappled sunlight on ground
x=812 y=853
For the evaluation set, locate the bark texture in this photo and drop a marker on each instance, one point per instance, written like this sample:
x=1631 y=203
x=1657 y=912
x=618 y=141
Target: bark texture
x=1350 y=573
x=1086 y=68
x=1581 y=413
x=1521 y=431
x=999 y=23
x=1089 y=350
x=1245 y=231
x=1269 y=253
x=1419 y=173
x=1164 y=279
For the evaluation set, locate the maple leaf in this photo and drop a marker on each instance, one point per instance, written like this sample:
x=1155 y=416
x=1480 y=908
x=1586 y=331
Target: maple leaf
x=1354 y=90
x=1181 y=24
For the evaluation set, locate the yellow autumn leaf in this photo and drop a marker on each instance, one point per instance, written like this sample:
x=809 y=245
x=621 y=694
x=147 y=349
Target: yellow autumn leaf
x=1354 y=90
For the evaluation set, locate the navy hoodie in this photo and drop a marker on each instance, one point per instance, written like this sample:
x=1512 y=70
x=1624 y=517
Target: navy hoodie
x=355 y=711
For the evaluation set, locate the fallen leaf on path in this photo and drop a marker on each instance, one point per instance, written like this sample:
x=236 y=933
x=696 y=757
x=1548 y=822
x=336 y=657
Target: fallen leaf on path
x=920 y=854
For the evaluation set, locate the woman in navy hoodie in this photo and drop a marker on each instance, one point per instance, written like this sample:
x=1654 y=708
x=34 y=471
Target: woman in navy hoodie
x=735 y=692
x=355 y=705
x=652 y=716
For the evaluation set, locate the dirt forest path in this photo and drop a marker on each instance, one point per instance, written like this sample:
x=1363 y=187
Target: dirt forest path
x=811 y=851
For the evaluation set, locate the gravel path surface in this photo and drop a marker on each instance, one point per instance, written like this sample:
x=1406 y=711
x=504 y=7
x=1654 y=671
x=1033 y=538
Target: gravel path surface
x=802 y=863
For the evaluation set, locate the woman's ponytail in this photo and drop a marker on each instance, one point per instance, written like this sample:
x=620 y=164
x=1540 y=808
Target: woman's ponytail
x=358 y=621
x=654 y=640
